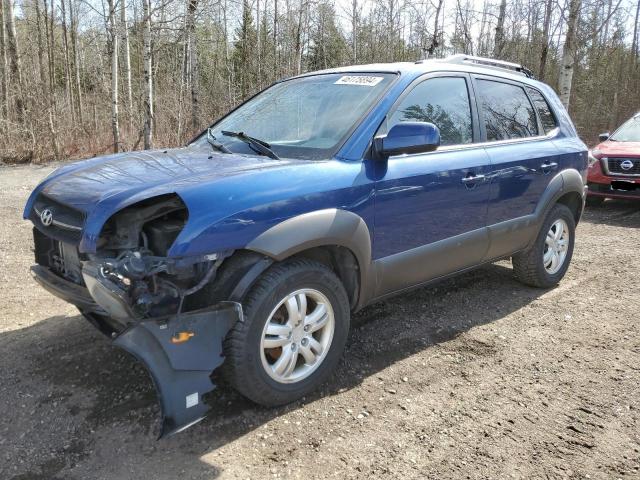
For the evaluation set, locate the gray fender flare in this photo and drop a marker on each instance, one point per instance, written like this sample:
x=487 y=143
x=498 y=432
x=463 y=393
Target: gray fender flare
x=566 y=181
x=320 y=228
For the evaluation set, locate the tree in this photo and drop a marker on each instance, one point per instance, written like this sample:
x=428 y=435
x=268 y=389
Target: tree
x=124 y=26
x=148 y=74
x=14 y=62
x=243 y=51
x=4 y=75
x=328 y=46
x=114 y=50
x=192 y=62
x=568 y=53
x=499 y=39
x=173 y=65
x=435 y=40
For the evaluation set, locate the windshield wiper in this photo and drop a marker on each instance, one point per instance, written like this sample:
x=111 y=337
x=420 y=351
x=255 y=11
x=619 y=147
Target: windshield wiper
x=259 y=145
x=213 y=141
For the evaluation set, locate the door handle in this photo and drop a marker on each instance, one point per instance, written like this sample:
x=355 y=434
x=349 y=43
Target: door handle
x=472 y=179
x=548 y=166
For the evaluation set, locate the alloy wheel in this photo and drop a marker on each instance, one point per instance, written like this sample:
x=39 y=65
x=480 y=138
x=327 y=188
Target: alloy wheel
x=556 y=246
x=297 y=336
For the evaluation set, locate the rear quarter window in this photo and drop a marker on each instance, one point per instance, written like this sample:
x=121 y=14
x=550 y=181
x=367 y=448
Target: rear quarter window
x=547 y=119
x=507 y=111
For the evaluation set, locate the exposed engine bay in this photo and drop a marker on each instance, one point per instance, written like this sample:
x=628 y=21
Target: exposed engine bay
x=131 y=277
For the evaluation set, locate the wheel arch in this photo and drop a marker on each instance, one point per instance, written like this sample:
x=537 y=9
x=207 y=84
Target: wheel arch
x=568 y=188
x=337 y=238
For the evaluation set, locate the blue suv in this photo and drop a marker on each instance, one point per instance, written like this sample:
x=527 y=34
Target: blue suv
x=323 y=193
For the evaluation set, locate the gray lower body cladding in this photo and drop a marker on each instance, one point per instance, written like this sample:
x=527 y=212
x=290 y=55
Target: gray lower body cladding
x=181 y=371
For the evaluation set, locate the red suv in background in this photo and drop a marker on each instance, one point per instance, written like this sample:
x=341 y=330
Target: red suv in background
x=614 y=165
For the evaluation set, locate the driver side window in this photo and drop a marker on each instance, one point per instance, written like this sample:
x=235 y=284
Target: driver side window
x=443 y=101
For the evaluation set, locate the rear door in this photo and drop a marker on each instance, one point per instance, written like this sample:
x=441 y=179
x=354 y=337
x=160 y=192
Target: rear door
x=430 y=208
x=519 y=141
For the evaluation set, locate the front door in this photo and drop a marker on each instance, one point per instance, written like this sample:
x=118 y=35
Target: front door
x=430 y=208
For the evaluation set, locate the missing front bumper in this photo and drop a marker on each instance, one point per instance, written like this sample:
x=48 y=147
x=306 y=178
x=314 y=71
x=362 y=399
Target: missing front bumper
x=181 y=371
x=180 y=352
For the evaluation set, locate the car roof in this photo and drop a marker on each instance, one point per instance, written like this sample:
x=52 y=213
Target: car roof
x=416 y=69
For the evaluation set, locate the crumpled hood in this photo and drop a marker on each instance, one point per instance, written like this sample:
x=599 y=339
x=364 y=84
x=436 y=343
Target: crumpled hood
x=101 y=186
x=85 y=184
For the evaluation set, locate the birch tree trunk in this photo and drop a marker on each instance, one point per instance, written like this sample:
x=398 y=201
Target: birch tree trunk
x=193 y=63
x=48 y=43
x=113 y=33
x=127 y=60
x=258 y=47
x=68 y=82
x=435 y=40
x=148 y=75
x=634 y=44
x=76 y=61
x=14 y=61
x=354 y=30
x=4 y=76
x=275 y=40
x=498 y=46
x=52 y=50
x=42 y=72
x=568 y=54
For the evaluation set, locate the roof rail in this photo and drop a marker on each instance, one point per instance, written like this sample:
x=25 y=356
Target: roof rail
x=489 y=62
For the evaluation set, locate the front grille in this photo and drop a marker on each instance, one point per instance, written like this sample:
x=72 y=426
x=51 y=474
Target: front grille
x=614 y=165
x=62 y=258
x=66 y=224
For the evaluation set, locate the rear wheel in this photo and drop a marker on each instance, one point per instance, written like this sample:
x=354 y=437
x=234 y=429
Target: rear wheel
x=547 y=260
x=296 y=322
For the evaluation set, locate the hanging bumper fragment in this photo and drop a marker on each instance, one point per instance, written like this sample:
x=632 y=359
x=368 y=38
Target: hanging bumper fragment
x=180 y=353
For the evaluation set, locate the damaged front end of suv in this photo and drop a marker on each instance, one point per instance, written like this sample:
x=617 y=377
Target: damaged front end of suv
x=160 y=308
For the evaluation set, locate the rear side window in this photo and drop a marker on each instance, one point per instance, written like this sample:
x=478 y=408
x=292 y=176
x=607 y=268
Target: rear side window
x=544 y=110
x=443 y=102
x=507 y=111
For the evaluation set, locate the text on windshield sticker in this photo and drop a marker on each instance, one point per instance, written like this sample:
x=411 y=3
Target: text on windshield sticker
x=362 y=80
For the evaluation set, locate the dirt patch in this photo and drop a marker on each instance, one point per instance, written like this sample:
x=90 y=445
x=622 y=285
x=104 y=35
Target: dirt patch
x=477 y=377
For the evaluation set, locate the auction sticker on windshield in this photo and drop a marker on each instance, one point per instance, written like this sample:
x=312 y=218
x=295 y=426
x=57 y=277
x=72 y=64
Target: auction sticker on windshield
x=362 y=80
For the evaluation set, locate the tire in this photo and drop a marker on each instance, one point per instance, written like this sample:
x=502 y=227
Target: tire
x=252 y=368
x=529 y=265
x=593 y=201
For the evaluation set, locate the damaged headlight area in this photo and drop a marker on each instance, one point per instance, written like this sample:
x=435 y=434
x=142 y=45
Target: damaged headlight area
x=137 y=284
x=131 y=278
x=133 y=281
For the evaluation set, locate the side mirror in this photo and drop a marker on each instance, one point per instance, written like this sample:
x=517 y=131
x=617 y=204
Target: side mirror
x=409 y=137
x=604 y=136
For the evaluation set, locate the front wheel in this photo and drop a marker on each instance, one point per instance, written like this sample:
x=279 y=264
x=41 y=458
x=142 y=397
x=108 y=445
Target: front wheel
x=296 y=323
x=547 y=260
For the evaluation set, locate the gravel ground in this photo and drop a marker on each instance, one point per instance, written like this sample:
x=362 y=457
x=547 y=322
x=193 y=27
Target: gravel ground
x=477 y=377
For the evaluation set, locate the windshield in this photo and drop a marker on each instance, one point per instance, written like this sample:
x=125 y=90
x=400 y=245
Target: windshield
x=306 y=118
x=628 y=132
